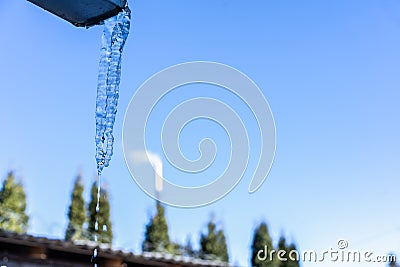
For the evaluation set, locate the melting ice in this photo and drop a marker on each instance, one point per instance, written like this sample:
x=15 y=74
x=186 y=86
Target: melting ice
x=115 y=33
x=116 y=30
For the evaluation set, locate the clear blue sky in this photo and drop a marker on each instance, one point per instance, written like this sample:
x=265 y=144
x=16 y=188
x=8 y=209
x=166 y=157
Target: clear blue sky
x=329 y=69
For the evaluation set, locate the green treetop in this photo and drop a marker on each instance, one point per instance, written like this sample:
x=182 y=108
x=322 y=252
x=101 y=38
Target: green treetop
x=156 y=236
x=292 y=263
x=103 y=231
x=76 y=213
x=289 y=254
x=13 y=215
x=262 y=240
x=392 y=261
x=213 y=244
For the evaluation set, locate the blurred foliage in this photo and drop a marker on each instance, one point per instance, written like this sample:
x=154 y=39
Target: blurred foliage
x=99 y=215
x=76 y=212
x=13 y=215
x=156 y=237
x=213 y=244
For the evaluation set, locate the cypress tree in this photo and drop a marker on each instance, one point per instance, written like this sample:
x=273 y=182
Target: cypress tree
x=13 y=215
x=392 y=261
x=213 y=244
x=282 y=245
x=222 y=251
x=76 y=212
x=262 y=240
x=103 y=231
x=156 y=236
x=292 y=263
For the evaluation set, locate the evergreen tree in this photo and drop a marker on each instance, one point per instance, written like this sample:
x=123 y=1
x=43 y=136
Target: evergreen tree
x=282 y=247
x=287 y=248
x=156 y=235
x=13 y=215
x=76 y=213
x=292 y=263
x=222 y=251
x=261 y=241
x=213 y=244
x=392 y=261
x=103 y=231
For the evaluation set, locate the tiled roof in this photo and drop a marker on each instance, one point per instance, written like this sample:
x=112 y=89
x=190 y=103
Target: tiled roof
x=85 y=250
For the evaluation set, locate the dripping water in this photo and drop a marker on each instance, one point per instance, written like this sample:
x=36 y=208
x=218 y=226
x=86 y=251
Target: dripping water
x=115 y=33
